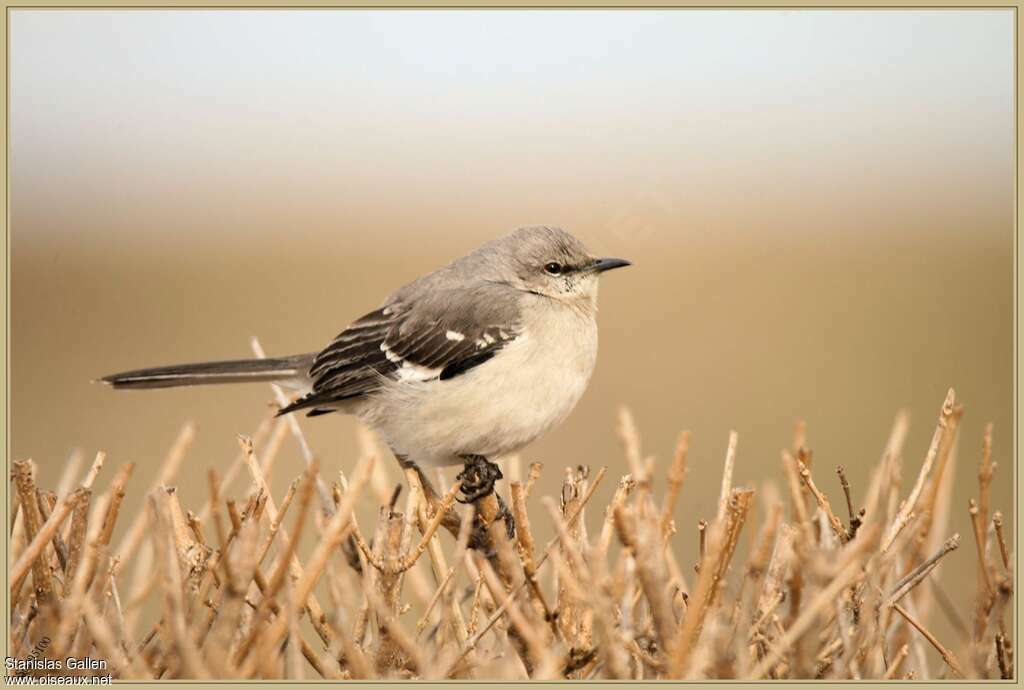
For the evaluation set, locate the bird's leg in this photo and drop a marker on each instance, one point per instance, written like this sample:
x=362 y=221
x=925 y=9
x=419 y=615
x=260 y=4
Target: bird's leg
x=478 y=477
x=505 y=514
x=450 y=521
x=428 y=486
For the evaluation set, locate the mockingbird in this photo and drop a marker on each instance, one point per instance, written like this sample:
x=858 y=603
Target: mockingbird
x=470 y=362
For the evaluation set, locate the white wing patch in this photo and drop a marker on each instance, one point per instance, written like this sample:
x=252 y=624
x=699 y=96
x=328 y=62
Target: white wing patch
x=407 y=371
x=454 y=335
x=392 y=357
x=414 y=372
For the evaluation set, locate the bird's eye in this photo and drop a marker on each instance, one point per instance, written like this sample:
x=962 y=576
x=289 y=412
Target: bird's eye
x=553 y=268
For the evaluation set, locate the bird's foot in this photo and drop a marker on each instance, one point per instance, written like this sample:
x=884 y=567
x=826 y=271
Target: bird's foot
x=477 y=477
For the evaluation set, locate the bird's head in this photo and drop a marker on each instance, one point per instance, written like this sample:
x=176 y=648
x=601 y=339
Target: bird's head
x=550 y=262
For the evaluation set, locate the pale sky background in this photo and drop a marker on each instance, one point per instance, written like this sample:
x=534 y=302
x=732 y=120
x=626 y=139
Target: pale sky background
x=818 y=204
x=333 y=113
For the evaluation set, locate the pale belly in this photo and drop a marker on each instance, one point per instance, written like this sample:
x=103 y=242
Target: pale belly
x=496 y=408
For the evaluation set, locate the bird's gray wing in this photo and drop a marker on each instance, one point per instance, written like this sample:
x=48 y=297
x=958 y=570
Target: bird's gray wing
x=439 y=337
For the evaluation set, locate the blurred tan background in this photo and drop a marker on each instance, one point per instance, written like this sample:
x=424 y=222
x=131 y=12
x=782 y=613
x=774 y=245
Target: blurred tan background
x=818 y=205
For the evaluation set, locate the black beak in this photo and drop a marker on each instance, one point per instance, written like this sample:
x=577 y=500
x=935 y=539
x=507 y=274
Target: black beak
x=602 y=265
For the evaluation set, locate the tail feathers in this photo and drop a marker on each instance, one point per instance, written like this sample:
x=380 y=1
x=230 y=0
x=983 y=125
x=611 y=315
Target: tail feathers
x=200 y=373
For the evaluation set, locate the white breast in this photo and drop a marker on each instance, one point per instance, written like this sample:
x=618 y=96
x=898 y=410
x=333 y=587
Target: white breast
x=500 y=406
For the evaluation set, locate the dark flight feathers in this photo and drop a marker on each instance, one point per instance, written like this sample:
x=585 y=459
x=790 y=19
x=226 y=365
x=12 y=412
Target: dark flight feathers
x=394 y=343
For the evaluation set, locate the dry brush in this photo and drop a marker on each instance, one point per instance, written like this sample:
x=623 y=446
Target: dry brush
x=825 y=586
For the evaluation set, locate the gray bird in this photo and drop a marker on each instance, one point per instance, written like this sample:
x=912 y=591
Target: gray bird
x=470 y=362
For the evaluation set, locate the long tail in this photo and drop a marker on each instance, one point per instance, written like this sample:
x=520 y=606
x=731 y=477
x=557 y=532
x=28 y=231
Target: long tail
x=291 y=368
